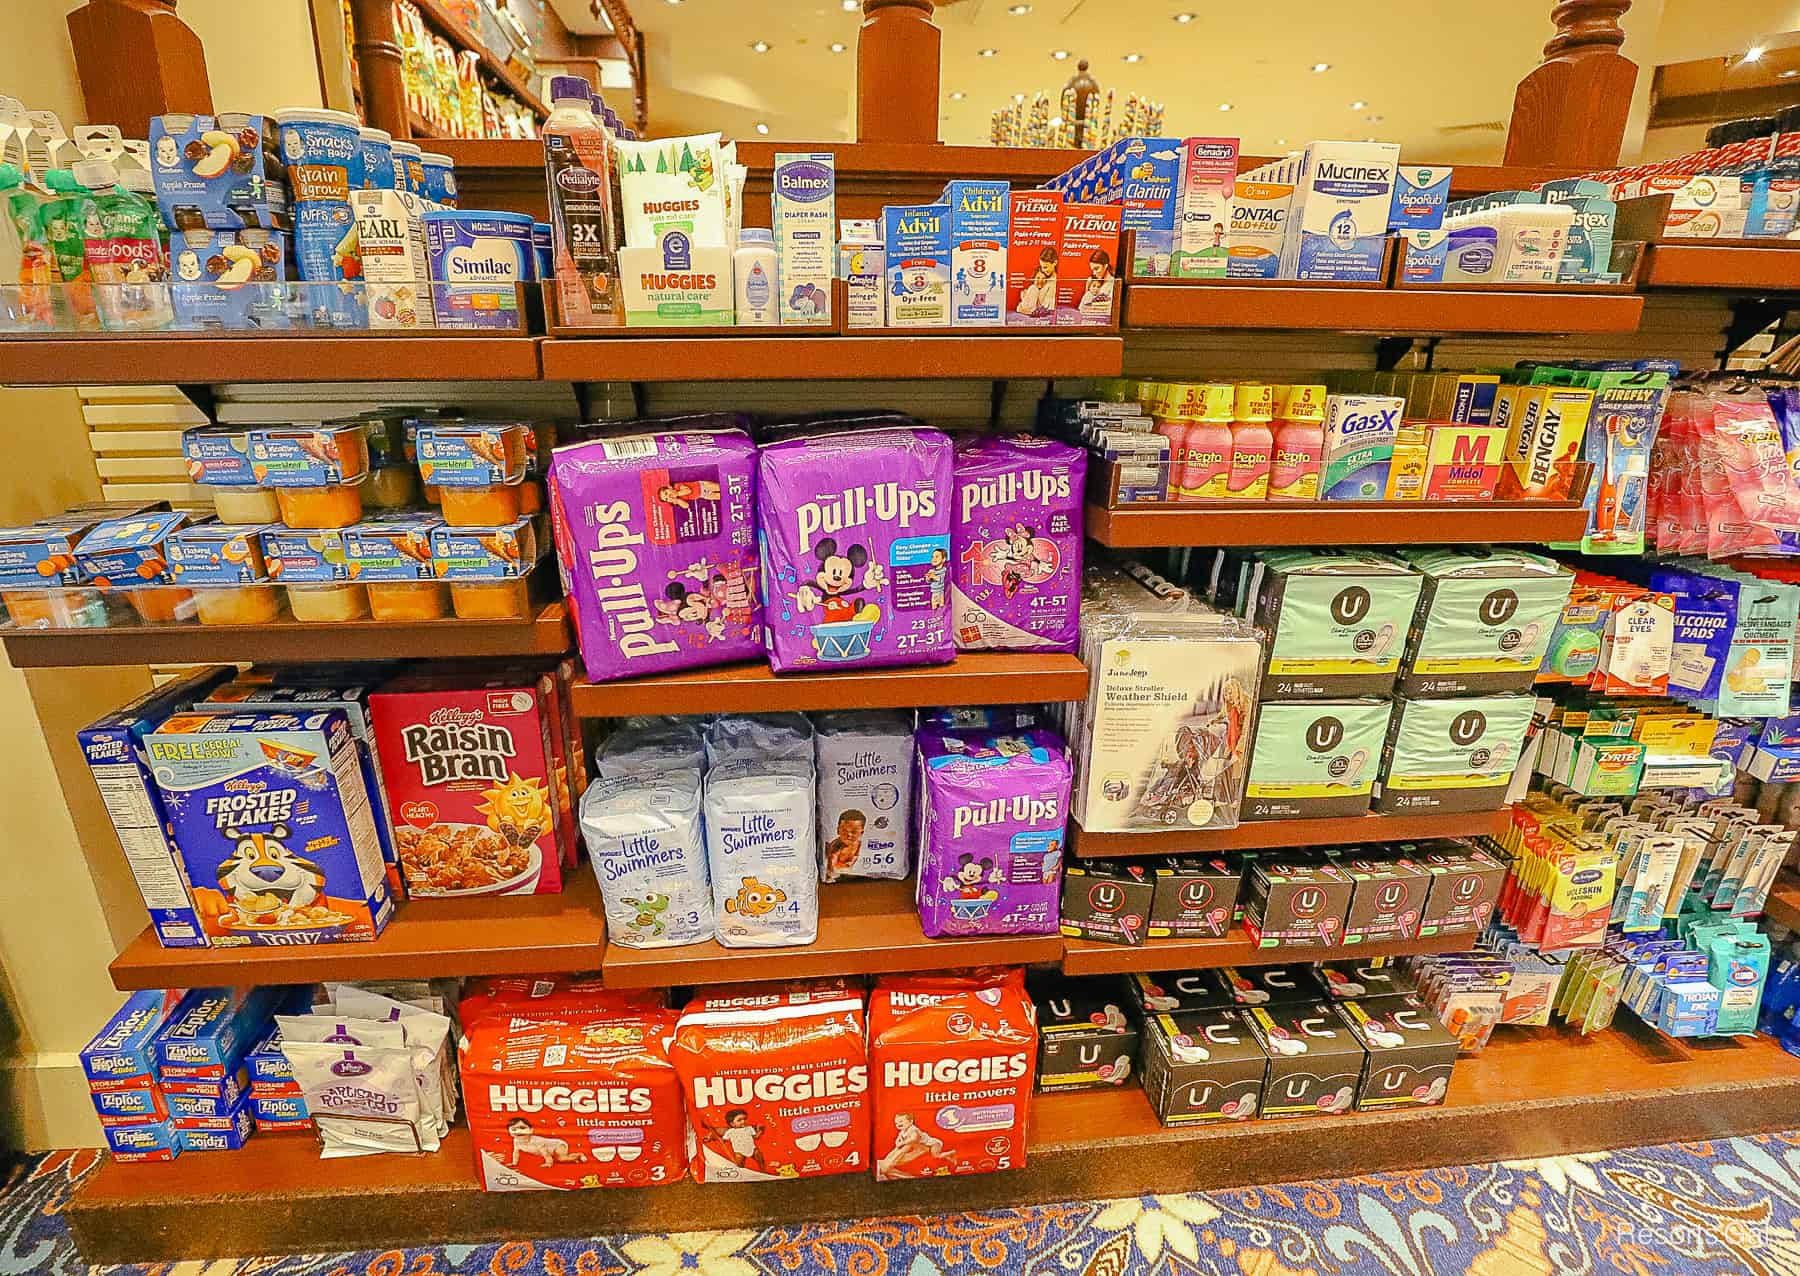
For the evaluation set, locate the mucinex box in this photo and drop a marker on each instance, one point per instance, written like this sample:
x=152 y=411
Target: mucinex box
x=980 y=218
x=1342 y=199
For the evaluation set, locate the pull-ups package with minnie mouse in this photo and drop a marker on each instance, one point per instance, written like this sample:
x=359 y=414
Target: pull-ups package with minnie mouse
x=1015 y=544
x=776 y=1081
x=953 y=1057
x=656 y=538
x=855 y=535
x=993 y=820
x=569 y=1097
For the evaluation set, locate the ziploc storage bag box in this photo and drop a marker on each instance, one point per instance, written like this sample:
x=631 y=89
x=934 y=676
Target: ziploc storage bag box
x=980 y=218
x=918 y=265
x=122 y=1054
x=1342 y=198
x=1337 y=621
x=273 y=821
x=114 y=749
x=211 y=1030
x=1452 y=755
x=150 y=1141
x=1314 y=760
x=1484 y=620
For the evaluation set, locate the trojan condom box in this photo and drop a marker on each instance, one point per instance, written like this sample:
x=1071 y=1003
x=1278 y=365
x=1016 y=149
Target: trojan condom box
x=1202 y=1066
x=1337 y=621
x=1484 y=620
x=1314 y=760
x=1452 y=755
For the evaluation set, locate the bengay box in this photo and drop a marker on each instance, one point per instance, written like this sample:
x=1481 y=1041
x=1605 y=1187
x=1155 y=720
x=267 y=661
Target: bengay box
x=114 y=749
x=1202 y=1066
x=980 y=215
x=1314 y=760
x=1484 y=620
x=1410 y=1054
x=1452 y=755
x=918 y=265
x=1342 y=199
x=1088 y=1032
x=1033 y=248
x=1337 y=621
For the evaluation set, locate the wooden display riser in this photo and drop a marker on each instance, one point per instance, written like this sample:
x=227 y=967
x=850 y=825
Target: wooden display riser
x=1532 y=1093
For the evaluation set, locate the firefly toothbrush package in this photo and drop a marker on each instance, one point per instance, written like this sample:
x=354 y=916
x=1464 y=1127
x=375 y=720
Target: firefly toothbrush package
x=1629 y=401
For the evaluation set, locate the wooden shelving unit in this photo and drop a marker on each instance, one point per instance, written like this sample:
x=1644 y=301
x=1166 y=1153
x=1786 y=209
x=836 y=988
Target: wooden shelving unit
x=1278 y=305
x=1532 y=1093
x=865 y=928
x=1264 y=834
x=1783 y=906
x=975 y=677
x=1086 y=957
x=800 y=356
x=1335 y=523
x=438 y=16
x=1736 y=265
x=491 y=935
x=288 y=640
x=183 y=358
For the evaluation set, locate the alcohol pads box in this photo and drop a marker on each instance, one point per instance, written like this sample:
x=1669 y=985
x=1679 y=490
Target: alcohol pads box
x=1336 y=621
x=1339 y=222
x=980 y=213
x=1315 y=760
x=1410 y=1054
x=677 y=284
x=1484 y=620
x=1087 y=1032
x=1420 y=197
x=1032 y=255
x=1193 y=898
x=803 y=215
x=1315 y=1061
x=1087 y=268
x=1203 y=1066
x=918 y=265
x=1451 y=755
x=1360 y=430
x=1203 y=207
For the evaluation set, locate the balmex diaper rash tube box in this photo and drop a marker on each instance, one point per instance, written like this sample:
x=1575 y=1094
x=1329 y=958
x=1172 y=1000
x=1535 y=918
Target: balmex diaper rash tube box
x=918 y=265
x=1315 y=760
x=1203 y=207
x=1342 y=199
x=1451 y=755
x=979 y=215
x=1337 y=621
x=1032 y=252
x=803 y=215
x=1484 y=620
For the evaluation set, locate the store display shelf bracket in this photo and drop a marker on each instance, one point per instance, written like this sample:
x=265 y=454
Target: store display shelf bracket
x=1267 y=834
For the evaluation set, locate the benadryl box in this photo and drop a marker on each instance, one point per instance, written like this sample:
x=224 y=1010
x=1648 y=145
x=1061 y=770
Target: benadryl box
x=980 y=217
x=1338 y=226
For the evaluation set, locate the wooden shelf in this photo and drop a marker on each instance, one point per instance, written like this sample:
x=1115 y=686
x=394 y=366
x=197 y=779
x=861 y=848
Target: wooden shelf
x=1086 y=957
x=1783 y=906
x=1281 y=305
x=975 y=677
x=460 y=35
x=801 y=356
x=1335 y=523
x=496 y=935
x=865 y=928
x=288 y=640
x=183 y=358
x=1738 y=265
x=1532 y=1093
x=1266 y=834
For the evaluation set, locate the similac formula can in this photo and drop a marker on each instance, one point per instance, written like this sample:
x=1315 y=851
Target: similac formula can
x=440 y=177
x=543 y=246
x=409 y=167
x=323 y=151
x=477 y=262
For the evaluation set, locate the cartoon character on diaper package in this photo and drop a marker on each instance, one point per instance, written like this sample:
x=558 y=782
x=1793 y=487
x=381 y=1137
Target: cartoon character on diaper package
x=1016 y=544
x=854 y=530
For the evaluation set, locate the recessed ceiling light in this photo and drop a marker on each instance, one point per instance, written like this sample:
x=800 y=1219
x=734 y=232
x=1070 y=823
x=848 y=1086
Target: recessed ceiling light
x=674 y=1
x=987 y=53
x=763 y=129
x=1319 y=68
x=1185 y=18
x=1755 y=53
x=1061 y=55
x=958 y=96
x=1224 y=106
x=1134 y=57
x=759 y=46
x=1371 y=139
x=1374 y=119
x=837 y=47
x=852 y=6
x=1019 y=10
x=1788 y=74
x=1018 y=97
x=1281 y=141
x=1358 y=105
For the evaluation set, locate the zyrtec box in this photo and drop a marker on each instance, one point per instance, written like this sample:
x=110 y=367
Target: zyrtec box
x=1033 y=250
x=980 y=213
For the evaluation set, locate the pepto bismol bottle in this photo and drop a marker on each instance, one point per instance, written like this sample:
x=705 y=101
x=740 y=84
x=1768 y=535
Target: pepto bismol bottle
x=584 y=233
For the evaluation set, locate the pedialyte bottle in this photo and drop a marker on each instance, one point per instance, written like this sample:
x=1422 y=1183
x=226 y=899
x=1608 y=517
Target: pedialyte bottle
x=584 y=235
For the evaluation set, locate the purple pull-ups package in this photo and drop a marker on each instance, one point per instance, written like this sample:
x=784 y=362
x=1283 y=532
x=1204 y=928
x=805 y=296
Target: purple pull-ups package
x=1015 y=544
x=994 y=816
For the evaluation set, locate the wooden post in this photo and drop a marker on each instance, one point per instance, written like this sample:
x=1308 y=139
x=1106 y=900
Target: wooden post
x=897 y=55
x=381 y=66
x=1571 y=109
x=136 y=59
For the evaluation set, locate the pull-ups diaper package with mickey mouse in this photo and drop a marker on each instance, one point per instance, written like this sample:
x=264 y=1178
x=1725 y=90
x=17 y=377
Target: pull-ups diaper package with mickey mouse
x=855 y=536
x=993 y=819
x=1016 y=544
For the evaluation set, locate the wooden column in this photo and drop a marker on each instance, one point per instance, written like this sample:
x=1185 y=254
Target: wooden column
x=136 y=59
x=897 y=72
x=1571 y=109
x=381 y=66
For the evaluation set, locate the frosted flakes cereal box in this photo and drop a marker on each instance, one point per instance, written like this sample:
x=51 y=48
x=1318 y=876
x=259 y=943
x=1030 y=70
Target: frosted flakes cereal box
x=274 y=826
x=468 y=765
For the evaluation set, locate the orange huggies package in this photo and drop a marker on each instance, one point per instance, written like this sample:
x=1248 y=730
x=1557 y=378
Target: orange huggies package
x=953 y=1057
x=542 y=996
x=776 y=1081
x=573 y=1100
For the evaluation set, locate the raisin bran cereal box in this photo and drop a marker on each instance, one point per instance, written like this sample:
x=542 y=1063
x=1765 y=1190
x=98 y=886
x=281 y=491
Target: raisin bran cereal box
x=1015 y=544
x=656 y=538
x=274 y=825
x=776 y=1080
x=953 y=1057
x=467 y=758
x=855 y=535
x=572 y=1098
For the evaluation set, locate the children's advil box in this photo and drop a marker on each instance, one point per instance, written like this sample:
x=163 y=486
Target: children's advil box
x=274 y=826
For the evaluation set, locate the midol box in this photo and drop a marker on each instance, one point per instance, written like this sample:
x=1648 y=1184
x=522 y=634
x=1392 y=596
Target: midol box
x=1315 y=760
x=1484 y=620
x=1452 y=755
x=918 y=265
x=980 y=216
x=1203 y=207
x=1336 y=621
x=1034 y=248
x=803 y=215
x=1342 y=199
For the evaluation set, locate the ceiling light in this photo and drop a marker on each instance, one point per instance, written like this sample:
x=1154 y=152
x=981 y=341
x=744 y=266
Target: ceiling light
x=836 y=47
x=760 y=46
x=1224 y=106
x=1018 y=97
x=674 y=1
x=763 y=129
x=1755 y=53
x=1358 y=105
x=1019 y=10
x=1319 y=68
x=1374 y=119
x=1789 y=74
x=1134 y=57
x=1281 y=141
x=1371 y=139
x=1061 y=55
x=958 y=96
x=852 y=6
x=987 y=53
x=1185 y=18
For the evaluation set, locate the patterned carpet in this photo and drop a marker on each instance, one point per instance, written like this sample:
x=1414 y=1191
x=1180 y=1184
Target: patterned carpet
x=1708 y=1208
